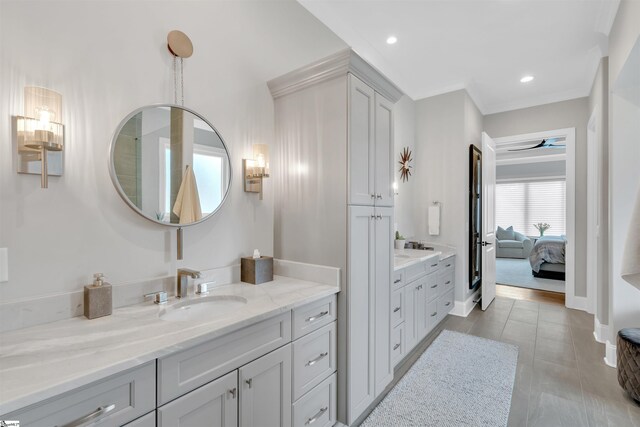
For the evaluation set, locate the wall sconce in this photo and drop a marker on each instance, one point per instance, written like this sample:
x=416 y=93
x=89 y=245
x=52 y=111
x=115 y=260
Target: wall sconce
x=254 y=170
x=395 y=188
x=40 y=134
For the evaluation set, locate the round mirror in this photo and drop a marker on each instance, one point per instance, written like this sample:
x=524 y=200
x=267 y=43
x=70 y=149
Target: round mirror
x=170 y=165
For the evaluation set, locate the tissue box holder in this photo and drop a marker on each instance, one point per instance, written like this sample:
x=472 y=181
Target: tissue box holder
x=256 y=270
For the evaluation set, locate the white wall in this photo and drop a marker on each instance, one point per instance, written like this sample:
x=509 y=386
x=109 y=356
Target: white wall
x=107 y=58
x=599 y=104
x=624 y=154
x=445 y=127
x=405 y=136
x=559 y=115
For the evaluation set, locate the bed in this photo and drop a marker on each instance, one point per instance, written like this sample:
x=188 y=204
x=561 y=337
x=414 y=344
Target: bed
x=547 y=257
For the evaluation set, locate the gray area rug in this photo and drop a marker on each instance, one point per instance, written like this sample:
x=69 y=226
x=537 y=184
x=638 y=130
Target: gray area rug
x=460 y=380
x=517 y=272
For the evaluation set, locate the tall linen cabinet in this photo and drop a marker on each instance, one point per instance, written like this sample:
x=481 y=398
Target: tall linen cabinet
x=333 y=182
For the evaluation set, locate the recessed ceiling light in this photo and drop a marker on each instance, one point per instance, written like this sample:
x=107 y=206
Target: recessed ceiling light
x=392 y=40
x=526 y=79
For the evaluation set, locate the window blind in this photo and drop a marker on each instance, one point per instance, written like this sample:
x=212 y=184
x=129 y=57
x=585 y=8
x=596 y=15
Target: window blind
x=522 y=204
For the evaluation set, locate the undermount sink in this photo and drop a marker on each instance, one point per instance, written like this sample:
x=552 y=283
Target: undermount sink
x=207 y=306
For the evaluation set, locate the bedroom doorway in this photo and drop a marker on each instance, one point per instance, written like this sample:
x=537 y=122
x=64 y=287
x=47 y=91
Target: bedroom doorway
x=535 y=212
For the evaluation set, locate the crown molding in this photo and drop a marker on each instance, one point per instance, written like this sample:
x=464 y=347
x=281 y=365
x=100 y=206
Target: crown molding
x=338 y=64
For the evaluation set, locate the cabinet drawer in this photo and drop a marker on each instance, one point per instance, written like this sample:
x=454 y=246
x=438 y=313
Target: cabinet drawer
x=416 y=271
x=398 y=279
x=432 y=287
x=447 y=265
x=398 y=346
x=318 y=407
x=397 y=307
x=131 y=394
x=314 y=359
x=446 y=281
x=312 y=316
x=433 y=317
x=148 y=420
x=187 y=370
x=433 y=265
x=445 y=304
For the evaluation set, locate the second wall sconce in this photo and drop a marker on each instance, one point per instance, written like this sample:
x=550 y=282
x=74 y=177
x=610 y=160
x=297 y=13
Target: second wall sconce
x=256 y=169
x=40 y=134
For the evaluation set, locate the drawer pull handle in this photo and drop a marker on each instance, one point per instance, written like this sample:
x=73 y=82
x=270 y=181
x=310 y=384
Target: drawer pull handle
x=397 y=281
x=316 y=416
x=434 y=265
x=447 y=304
x=95 y=414
x=249 y=382
x=447 y=282
x=233 y=392
x=448 y=265
x=434 y=286
x=314 y=318
x=434 y=314
x=397 y=309
x=317 y=359
x=395 y=347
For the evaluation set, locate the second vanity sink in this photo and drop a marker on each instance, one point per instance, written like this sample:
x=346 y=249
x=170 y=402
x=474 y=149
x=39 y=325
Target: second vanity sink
x=206 y=306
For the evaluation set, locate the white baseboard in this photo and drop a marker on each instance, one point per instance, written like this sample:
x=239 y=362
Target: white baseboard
x=610 y=358
x=577 y=303
x=600 y=331
x=463 y=308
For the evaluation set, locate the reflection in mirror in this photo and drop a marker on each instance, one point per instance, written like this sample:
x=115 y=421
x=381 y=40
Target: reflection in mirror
x=170 y=165
x=475 y=216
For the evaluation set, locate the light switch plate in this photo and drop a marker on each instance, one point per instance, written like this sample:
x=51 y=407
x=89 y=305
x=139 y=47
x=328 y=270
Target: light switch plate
x=4 y=265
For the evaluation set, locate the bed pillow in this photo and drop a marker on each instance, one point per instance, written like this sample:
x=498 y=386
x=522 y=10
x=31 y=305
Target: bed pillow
x=507 y=234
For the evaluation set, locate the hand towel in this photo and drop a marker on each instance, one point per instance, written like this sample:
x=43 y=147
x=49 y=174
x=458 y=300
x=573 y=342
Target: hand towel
x=187 y=205
x=434 y=220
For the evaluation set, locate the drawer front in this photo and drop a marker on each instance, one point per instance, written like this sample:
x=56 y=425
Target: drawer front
x=446 y=281
x=131 y=393
x=433 y=314
x=189 y=369
x=433 y=287
x=398 y=346
x=313 y=316
x=433 y=265
x=416 y=271
x=398 y=279
x=397 y=307
x=445 y=304
x=318 y=407
x=148 y=420
x=447 y=265
x=314 y=359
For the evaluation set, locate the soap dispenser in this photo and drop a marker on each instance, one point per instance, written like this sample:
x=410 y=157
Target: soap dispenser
x=97 y=298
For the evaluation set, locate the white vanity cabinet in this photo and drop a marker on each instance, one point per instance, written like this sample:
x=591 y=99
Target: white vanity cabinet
x=427 y=290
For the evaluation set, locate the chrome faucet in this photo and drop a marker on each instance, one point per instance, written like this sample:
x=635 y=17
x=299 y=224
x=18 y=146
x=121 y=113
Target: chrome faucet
x=183 y=280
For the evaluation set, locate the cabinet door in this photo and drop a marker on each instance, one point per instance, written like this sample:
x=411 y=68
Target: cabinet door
x=410 y=337
x=361 y=309
x=384 y=175
x=361 y=143
x=212 y=405
x=419 y=300
x=382 y=282
x=265 y=390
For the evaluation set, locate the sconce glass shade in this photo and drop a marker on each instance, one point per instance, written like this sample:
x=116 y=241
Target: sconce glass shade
x=261 y=159
x=41 y=126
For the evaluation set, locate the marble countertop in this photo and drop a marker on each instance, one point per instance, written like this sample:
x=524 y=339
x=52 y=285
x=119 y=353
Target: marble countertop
x=405 y=257
x=45 y=360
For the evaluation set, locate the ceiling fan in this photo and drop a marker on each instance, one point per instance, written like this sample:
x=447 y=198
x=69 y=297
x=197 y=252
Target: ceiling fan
x=545 y=143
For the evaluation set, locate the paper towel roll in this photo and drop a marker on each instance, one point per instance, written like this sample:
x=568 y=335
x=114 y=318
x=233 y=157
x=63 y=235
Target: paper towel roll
x=434 y=220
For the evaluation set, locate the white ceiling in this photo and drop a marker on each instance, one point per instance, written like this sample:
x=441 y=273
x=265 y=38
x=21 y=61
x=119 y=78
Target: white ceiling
x=484 y=46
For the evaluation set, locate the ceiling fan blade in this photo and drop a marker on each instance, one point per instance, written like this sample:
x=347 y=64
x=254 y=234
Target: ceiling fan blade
x=540 y=145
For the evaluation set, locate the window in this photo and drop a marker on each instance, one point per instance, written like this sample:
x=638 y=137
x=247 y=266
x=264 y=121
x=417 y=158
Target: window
x=522 y=204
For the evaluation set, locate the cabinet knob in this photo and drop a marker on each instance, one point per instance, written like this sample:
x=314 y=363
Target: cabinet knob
x=397 y=309
x=434 y=314
x=373 y=196
x=249 y=381
x=395 y=347
x=378 y=196
x=233 y=393
x=379 y=216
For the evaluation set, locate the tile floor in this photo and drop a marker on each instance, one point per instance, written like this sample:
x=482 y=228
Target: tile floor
x=561 y=378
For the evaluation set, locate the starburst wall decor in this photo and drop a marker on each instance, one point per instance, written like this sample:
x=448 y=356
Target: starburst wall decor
x=405 y=164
